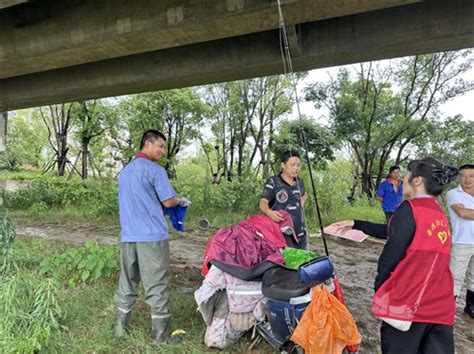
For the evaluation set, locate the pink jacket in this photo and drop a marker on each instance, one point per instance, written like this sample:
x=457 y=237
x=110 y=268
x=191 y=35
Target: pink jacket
x=248 y=243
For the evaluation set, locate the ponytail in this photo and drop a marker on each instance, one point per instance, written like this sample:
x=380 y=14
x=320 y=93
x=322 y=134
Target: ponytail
x=435 y=175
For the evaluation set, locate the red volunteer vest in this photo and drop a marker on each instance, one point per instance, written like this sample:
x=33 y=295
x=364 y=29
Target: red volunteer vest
x=420 y=289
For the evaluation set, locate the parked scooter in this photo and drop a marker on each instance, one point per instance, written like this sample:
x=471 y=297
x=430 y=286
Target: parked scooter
x=288 y=294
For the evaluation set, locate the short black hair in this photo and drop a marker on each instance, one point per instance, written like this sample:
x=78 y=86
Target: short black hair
x=151 y=135
x=393 y=168
x=434 y=173
x=466 y=166
x=289 y=153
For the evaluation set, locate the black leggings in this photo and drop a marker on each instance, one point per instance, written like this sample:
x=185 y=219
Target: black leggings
x=420 y=338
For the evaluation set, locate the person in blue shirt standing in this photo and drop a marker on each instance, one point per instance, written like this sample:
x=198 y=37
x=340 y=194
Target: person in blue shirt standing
x=144 y=189
x=390 y=192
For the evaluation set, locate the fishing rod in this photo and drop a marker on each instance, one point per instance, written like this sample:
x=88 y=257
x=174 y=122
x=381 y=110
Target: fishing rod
x=313 y=187
x=286 y=54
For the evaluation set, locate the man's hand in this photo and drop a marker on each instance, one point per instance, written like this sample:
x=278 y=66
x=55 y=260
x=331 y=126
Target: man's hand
x=172 y=202
x=183 y=202
x=274 y=215
x=344 y=226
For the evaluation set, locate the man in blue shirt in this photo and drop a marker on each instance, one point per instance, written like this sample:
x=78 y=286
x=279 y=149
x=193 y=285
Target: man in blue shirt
x=390 y=192
x=144 y=189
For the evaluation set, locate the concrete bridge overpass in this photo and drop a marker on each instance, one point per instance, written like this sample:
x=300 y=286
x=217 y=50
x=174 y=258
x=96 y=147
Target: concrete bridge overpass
x=54 y=51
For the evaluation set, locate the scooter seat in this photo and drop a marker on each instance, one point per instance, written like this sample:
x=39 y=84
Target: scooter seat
x=282 y=284
x=247 y=274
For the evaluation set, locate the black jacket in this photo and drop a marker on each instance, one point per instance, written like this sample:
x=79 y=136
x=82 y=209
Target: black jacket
x=399 y=234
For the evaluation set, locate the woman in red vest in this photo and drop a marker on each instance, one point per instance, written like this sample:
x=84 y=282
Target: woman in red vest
x=414 y=283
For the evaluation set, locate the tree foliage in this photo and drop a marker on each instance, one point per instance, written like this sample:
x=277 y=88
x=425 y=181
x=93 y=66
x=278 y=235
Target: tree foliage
x=177 y=113
x=451 y=140
x=26 y=140
x=383 y=114
x=320 y=141
x=379 y=111
x=244 y=118
x=91 y=119
x=57 y=119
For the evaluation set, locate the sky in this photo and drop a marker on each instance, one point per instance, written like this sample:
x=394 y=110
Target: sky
x=463 y=105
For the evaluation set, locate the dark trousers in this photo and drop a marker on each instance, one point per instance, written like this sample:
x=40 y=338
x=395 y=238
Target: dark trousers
x=388 y=215
x=149 y=263
x=420 y=338
x=302 y=242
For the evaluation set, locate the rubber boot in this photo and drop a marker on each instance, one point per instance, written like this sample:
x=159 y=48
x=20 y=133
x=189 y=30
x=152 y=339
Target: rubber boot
x=469 y=309
x=120 y=328
x=161 y=332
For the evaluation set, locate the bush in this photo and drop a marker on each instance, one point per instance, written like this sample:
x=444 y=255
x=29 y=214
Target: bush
x=91 y=197
x=332 y=187
x=222 y=204
x=76 y=265
x=239 y=197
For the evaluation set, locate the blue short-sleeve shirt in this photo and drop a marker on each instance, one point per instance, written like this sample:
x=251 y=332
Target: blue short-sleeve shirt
x=143 y=185
x=391 y=199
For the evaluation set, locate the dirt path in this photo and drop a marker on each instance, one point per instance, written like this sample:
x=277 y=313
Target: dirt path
x=355 y=265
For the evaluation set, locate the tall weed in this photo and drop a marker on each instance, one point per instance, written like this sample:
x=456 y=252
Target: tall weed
x=29 y=313
x=7 y=238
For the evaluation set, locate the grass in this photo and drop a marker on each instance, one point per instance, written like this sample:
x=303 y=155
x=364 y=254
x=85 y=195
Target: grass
x=20 y=174
x=360 y=212
x=109 y=224
x=90 y=308
x=90 y=324
x=91 y=313
x=71 y=216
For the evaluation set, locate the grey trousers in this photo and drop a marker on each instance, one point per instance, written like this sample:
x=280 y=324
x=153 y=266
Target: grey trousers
x=462 y=266
x=148 y=262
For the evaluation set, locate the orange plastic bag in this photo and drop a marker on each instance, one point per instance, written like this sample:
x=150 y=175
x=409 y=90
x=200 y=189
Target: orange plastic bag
x=340 y=296
x=326 y=326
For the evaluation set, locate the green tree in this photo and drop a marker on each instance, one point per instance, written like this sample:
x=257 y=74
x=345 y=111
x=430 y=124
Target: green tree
x=380 y=112
x=266 y=100
x=229 y=127
x=244 y=117
x=177 y=113
x=26 y=140
x=451 y=141
x=92 y=119
x=57 y=119
x=319 y=140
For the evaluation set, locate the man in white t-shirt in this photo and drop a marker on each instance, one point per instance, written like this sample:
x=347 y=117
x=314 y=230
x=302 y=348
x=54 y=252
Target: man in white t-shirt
x=461 y=210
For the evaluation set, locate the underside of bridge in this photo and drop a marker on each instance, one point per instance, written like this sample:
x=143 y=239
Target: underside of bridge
x=54 y=51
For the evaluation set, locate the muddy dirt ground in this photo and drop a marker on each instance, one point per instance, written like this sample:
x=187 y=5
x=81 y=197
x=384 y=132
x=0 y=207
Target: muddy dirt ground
x=355 y=264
